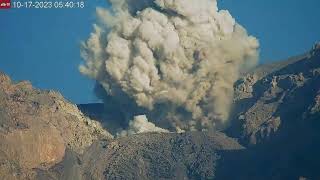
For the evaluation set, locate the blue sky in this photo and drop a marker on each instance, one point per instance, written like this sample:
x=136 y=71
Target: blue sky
x=42 y=45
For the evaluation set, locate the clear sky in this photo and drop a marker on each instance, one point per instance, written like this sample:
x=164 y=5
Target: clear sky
x=42 y=45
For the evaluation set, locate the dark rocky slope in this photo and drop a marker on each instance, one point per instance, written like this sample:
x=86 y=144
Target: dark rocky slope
x=194 y=155
x=276 y=96
x=277 y=117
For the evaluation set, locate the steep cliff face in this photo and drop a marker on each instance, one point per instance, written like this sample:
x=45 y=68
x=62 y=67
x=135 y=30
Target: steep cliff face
x=36 y=127
x=277 y=96
x=276 y=115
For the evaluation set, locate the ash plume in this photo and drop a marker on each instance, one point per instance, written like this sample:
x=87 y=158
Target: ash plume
x=177 y=59
x=140 y=124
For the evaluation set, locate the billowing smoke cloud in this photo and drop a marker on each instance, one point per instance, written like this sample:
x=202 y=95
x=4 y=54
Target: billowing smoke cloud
x=178 y=59
x=140 y=124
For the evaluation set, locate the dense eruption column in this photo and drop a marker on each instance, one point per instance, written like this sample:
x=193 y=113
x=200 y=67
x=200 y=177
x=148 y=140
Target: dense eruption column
x=181 y=55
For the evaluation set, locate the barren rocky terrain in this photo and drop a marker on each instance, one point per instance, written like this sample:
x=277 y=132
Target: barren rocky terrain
x=273 y=134
x=37 y=128
x=276 y=116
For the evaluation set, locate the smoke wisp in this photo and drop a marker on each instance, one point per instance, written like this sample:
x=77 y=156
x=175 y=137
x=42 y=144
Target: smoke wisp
x=140 y=124
x=178 y=59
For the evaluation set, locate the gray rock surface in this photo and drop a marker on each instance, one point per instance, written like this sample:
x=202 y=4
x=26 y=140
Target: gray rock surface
x=160 y=156
x=193 y=155
x=278 y=121
x=268 y=98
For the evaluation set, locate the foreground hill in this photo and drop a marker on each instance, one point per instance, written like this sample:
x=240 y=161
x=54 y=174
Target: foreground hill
x=193 y=155
x=37 y=128
x=273 y=134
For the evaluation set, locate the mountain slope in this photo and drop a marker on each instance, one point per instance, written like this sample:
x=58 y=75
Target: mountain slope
x=273 y=134
x=276 y=116
x=37 y=127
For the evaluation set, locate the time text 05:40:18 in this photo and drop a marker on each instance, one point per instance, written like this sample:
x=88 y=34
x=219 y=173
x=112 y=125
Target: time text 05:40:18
x=48 y=4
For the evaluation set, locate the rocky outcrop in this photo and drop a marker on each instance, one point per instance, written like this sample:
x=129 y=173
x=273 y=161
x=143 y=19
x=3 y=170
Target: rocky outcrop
x=315 y=107
x=266 y=101
x=278 y=120
x=36 y=127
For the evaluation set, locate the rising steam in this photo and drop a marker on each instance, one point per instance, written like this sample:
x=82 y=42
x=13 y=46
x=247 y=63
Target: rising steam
x=178 y=59
x=140 y=124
